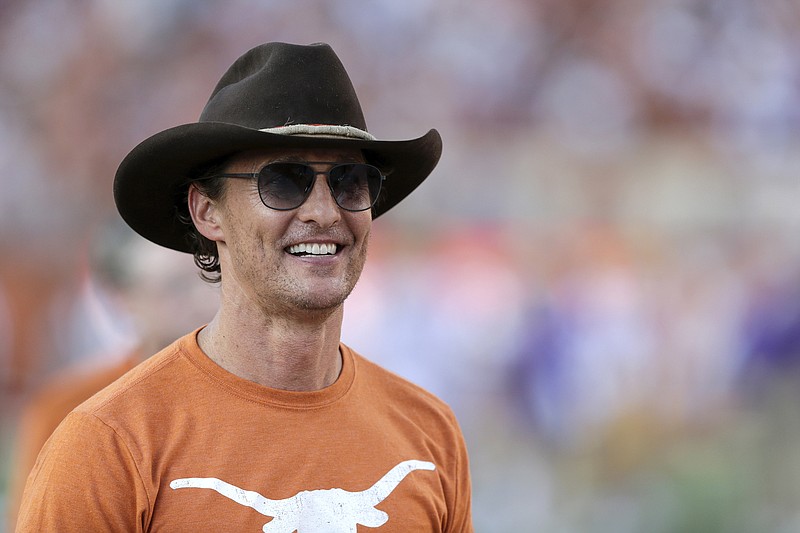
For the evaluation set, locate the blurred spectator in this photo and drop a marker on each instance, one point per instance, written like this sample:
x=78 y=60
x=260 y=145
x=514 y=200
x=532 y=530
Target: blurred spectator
x=6 y=332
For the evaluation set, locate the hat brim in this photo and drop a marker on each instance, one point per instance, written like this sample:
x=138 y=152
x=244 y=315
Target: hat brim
x=149 y=179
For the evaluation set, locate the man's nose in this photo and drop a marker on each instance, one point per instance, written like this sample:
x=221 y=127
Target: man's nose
x=320 y=207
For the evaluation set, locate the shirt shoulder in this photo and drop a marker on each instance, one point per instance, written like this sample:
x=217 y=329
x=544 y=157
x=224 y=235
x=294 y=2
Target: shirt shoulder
x=397 y=393
x=152 y=382
x=392 y=383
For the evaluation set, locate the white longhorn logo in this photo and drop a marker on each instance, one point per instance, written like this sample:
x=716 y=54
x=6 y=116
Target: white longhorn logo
x=315 y=511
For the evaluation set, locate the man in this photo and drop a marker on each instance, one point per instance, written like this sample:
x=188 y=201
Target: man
x=262 y=420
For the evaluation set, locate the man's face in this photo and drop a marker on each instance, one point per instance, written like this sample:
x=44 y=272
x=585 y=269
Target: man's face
x=258 y=248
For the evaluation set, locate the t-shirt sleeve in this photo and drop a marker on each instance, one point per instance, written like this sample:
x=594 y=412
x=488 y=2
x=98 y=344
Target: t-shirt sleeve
x=85 y=479
x=461 y=510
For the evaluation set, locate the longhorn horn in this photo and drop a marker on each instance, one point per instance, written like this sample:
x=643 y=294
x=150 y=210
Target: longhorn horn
x=248 y=498
x=385 y=485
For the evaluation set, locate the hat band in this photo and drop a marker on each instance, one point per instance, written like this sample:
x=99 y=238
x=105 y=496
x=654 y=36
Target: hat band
x=321 y=129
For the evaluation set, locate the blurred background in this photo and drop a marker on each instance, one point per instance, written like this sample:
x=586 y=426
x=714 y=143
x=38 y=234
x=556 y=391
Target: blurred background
x=602 y=277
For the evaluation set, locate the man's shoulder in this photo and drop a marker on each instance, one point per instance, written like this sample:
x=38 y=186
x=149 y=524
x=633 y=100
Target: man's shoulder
x=391 y=387
x=145 y=382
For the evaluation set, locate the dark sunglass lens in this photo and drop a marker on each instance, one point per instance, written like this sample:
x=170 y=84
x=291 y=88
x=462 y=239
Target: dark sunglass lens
x=285 y=186
x=355 y=186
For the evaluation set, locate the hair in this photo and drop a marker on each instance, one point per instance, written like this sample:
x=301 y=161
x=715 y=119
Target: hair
x=206 y=179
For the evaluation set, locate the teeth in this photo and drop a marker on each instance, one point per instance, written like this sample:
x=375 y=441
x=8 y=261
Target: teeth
x=313 y=249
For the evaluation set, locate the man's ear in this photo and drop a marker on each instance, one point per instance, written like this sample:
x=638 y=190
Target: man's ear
x=205 y=214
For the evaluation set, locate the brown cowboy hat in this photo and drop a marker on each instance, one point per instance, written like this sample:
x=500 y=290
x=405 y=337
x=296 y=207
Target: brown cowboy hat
x=275 y=95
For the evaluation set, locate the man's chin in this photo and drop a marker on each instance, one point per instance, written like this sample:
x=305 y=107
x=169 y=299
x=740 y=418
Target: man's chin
x=320 y=302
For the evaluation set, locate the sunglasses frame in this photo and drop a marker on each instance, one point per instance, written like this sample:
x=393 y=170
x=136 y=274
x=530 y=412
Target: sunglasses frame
x=327 y=173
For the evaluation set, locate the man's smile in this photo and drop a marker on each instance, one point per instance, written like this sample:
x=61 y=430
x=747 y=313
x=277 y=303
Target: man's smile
x=312 y=249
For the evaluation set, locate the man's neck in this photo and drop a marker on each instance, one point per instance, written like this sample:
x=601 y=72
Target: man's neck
x=298 y=353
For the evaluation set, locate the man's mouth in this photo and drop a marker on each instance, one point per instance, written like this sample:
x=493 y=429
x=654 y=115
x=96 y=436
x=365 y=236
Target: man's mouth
x=311 y=250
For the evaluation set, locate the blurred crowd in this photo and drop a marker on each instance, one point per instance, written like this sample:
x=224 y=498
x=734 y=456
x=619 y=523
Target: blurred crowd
x=602 y=276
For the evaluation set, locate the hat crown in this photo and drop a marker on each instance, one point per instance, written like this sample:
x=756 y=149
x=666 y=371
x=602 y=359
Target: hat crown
x=279 y=84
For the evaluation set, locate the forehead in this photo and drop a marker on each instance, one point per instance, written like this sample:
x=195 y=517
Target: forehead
x=261 y=156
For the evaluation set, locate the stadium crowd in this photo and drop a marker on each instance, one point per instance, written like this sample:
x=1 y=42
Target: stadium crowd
x=601 y=277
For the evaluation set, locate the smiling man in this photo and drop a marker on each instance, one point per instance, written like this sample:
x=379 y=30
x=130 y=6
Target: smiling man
x=262 y=420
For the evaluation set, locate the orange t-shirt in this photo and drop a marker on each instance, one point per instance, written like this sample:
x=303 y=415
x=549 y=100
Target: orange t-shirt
x=179 y=444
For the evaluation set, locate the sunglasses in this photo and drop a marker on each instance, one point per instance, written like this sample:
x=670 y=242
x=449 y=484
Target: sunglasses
x=284 y=186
